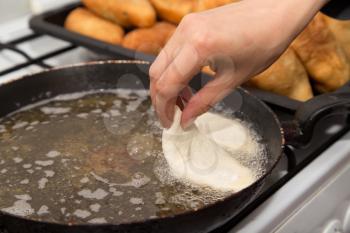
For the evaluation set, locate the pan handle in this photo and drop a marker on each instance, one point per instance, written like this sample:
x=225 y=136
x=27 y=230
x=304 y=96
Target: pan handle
x=298 y=132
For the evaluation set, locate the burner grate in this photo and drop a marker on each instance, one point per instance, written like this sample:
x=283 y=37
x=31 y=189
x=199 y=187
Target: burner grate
x=11 y=45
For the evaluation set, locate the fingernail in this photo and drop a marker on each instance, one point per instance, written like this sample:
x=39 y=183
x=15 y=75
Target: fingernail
x=166 y=126
x=164 y=123
x=188 y=123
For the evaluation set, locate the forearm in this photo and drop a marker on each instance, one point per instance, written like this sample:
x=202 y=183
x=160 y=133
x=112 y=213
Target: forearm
x=300 y=12
x=288 y=17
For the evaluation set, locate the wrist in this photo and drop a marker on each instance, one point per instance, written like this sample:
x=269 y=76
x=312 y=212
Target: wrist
x=298 y=13
x=290 y=17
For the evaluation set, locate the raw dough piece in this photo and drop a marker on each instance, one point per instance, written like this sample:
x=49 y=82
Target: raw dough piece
x=229 y=134
x=193 y=156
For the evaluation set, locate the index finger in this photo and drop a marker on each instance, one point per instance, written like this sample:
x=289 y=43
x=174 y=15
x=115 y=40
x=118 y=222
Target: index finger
x=165 y=56
x=173 y=80
x=214 y=91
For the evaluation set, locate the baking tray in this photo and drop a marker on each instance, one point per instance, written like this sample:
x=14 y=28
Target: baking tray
x=52 y=22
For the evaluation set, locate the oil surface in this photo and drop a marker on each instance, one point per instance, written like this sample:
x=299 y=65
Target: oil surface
x=95 y=158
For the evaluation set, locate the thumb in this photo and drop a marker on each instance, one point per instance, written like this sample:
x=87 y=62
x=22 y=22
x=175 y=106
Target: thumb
x=213 y=92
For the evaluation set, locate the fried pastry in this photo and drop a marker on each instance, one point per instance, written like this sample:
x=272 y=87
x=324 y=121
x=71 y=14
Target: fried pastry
x=341 y=31
x=149 y=40
x=287 y=76
x=207 y=70
x=139 y=13
x=84 y=22
x=322 y=55
x=203 y=5
x=174 y=10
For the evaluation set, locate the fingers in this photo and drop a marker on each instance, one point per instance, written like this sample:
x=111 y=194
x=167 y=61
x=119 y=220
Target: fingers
x=186 y=94
x=173 y=80
x=165 y=56
x=213 y=92
x=161 y=63
x=156 y=70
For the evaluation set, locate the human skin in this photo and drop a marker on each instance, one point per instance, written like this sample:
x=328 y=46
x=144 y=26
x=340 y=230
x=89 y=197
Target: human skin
x=238 y=41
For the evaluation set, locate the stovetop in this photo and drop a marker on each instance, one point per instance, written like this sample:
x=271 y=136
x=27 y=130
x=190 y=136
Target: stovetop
x=32 y=52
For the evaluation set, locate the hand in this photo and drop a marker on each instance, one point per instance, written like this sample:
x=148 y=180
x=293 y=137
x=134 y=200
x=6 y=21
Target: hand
x=238 y=41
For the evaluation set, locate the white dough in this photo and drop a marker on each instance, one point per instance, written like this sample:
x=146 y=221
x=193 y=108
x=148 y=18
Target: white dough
x=227 y=133
x=197 y=154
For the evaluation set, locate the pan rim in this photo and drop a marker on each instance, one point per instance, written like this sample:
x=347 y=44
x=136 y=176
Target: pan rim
x=80 y=64
x=149 y=220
